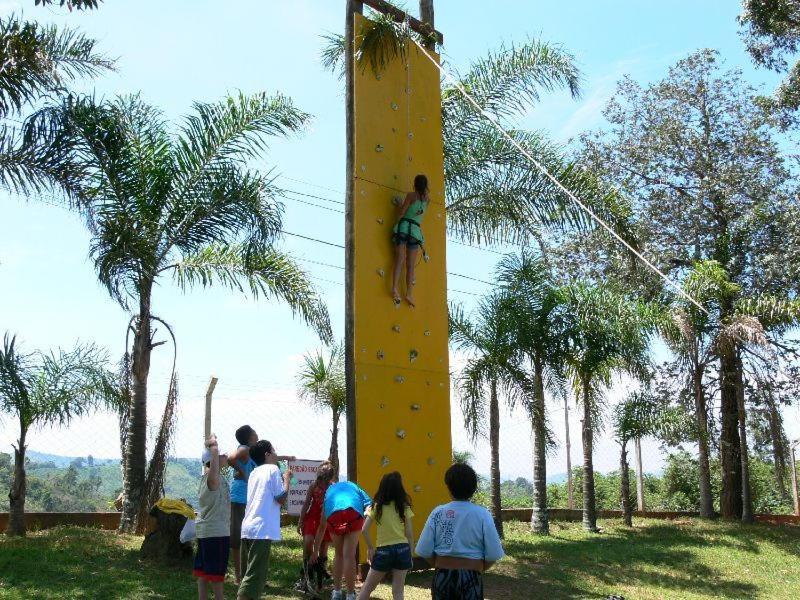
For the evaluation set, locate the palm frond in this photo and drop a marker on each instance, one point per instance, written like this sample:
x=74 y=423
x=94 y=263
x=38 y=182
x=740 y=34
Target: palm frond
x=232 y=130
x=508 y=81
x=321 y=379
x=332 y=54
x=36 y=60
x=269 y=273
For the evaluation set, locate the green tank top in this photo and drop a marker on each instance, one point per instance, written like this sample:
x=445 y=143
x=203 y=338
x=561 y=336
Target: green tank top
x=410 y=223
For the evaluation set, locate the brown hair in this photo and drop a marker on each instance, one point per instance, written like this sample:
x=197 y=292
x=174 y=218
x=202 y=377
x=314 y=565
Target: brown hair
x=421 y=185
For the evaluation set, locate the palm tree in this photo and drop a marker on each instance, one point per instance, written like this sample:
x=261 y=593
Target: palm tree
x=41 y=389
x=639 y=415
x=321 y=383
x=183 y=204
x=690 y=335
x=36 y=62
x=490 y=370
x=606 y=333
x=537 y=303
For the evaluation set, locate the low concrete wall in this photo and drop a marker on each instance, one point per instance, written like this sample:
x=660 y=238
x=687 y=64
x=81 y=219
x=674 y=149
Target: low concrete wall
x=42 y=520
x=110 y=520
x=564 y=514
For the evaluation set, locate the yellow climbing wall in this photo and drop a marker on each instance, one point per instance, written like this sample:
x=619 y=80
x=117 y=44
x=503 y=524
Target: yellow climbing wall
x=401 y=362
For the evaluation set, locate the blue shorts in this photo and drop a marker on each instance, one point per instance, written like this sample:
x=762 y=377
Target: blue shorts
x=211 y=559
x=392 y=558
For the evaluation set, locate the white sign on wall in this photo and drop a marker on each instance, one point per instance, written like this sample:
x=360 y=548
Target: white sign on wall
x=304 y=473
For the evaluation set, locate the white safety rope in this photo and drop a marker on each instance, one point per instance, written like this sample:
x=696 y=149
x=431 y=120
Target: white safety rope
x=493 y=120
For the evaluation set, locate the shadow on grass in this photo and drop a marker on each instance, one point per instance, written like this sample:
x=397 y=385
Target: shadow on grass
x=81 y=563
x=573 y=564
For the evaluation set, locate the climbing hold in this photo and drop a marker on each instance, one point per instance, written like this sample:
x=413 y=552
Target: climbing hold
x=364 y=377
x=418 y=488
x=428 y=382
x=396 y=328
x=394 y=129
x=441 y=360
x=412 y=355
x=379 y=354
x=399 y=379
x=363 y=350
x=409 y=90
x=394 y=106
x=378 y=76
x=378 y=148
x=401 y=433
x=430 y=434
x=379 y=220
x=410 y=135
x=423 y=119
x=410 y=159
x=427 y=333
x=431 y=461
x=381 y=406
x=363 y=168
x=438 y=215
x=380 y=272
x=397 y=200
x=384 y=461
x=415 y=407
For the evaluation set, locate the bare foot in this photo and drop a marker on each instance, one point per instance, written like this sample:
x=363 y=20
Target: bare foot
x=410 y=301
x=396 y=297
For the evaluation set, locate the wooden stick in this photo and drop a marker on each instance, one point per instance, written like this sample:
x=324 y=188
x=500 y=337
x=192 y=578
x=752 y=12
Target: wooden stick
x=382 y=6
x=209 y=392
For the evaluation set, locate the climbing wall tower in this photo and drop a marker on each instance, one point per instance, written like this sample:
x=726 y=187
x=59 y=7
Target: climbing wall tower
x=401 y=372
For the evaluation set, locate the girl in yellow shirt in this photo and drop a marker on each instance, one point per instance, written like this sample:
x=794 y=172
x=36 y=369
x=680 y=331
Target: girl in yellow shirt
x=391 y=512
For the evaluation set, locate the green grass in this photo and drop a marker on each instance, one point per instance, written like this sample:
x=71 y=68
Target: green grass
x=656 y=559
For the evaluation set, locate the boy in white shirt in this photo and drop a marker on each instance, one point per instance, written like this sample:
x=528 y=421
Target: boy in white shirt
x=266 y=492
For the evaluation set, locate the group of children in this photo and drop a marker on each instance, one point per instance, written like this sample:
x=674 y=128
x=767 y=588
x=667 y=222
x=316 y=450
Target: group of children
x=459 y=538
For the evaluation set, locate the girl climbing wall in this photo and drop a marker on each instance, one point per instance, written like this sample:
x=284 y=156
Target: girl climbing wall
x=407 y=237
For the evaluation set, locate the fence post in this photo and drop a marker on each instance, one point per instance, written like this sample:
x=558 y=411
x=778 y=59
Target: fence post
x=794 y=480
x=637 y=443
x=209 y=392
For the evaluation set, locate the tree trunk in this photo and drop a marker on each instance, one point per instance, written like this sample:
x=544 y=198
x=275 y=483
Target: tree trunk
x=426 y=16
x=729 y=445
x=333 y=456
x=494 y=447
x=570 y=495
x=539 y=517
x=19 y=486
x=589 y=508
x=704 y=467
x=136 y=446
x=637 y=443
x=747 y=500
x=625 y=487
x=778 y=447
x=352 y=8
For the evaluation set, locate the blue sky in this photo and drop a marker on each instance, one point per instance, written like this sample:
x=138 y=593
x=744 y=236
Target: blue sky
x=177 y=52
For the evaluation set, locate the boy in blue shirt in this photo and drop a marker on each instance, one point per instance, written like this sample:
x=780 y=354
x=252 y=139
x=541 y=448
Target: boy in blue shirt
x=460 y=540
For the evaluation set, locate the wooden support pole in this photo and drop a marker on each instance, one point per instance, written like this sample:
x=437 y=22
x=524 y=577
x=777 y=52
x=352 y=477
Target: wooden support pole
x=209 y=393
x=400 y=16
x=427 y=16
x=353 y=8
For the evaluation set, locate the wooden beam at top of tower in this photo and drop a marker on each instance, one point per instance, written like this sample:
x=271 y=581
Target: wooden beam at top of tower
x=382 y=6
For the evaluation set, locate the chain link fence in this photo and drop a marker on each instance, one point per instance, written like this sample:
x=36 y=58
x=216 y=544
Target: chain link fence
x=77 y=468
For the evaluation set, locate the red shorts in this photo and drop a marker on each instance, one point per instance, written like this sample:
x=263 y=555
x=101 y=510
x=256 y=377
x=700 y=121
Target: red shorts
x=346 y=521
x=310 y=527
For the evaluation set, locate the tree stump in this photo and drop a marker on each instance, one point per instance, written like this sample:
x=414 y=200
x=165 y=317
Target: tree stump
x=163 y=544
